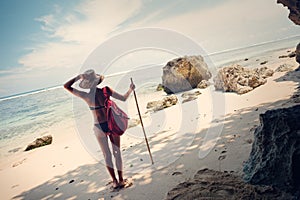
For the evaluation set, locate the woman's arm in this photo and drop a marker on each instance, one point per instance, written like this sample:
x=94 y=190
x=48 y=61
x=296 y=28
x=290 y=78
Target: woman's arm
x=125 y=96
x=68 y=86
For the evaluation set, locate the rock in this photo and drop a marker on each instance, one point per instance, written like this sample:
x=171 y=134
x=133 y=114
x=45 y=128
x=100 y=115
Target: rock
x=133 y=122
x=160 y=87
x=264 y=62
x=164 y=103
x=283 y=56
x=275 y=156
x=211 y=184
x=184 y=73
x=190 y=96
x=298 y=53
x=46 y=140
x=241 y=80
x=294 y=7
x=284 y=68
x=203 y=84
x=264 y=72
x=292 y=54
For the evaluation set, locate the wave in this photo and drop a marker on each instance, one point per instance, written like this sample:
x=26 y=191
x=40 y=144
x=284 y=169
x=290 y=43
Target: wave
x=23 y=94
x=256 y=45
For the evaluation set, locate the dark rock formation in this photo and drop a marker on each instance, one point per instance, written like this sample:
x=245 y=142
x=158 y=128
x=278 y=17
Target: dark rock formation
x=294 y=7
x=236 y=78
x=161 y=104
x=275 y=155
x=46 y=140
x=297 y=52
x=184 y=73
x=210 y=184
x=292 y=54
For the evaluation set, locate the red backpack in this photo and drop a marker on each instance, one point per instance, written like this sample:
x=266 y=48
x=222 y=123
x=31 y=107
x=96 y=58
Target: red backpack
x=117 y=119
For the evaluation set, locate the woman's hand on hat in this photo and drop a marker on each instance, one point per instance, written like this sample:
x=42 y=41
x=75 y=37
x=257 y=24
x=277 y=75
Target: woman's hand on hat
x=79 y=77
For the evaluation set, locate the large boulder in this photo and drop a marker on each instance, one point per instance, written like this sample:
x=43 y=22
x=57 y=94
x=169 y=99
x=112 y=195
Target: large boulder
x=184 y=73
x=294 y=7
x=275 y=155
x=236 y=78
x=39 y=142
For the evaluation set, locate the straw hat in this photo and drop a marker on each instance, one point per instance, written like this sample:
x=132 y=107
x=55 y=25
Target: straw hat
x=90 y=79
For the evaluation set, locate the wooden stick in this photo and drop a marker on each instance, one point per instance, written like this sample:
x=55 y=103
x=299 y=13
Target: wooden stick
x=137 y=106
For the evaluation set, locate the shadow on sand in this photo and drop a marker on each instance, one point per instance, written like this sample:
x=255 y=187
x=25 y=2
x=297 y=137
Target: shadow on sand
x=87 y=182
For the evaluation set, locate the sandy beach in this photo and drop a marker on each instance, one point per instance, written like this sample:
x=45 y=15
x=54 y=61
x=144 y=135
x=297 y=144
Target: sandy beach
x=195 y=135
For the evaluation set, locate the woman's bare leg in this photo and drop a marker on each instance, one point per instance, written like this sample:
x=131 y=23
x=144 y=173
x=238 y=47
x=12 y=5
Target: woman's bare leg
x=115 y=140
x=103 y=142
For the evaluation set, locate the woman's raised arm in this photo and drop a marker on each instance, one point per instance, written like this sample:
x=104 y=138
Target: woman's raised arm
x=125 y=96
x=68 y=86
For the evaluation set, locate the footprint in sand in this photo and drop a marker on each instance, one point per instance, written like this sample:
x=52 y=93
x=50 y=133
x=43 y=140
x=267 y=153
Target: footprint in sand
x=222 y=157
x=176 y=173
x=19 y=163
x=14 y=186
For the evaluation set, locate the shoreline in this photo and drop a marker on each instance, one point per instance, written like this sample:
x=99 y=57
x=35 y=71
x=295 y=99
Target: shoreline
x=47 y=172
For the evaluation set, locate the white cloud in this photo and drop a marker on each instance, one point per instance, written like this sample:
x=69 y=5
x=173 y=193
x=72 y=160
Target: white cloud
x=52 y=55
x=230 y=24
x=224 y=25
x=78 y=32
x=47 y=21
x=100 y=18
x=71 y=35
x=74 y=34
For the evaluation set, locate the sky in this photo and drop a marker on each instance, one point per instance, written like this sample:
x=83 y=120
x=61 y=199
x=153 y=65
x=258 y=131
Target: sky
x=44 y=43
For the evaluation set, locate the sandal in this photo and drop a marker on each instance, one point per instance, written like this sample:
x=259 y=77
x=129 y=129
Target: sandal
x=125 y=184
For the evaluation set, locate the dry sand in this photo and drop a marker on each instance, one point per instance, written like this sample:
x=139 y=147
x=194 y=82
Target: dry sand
x=215 y=131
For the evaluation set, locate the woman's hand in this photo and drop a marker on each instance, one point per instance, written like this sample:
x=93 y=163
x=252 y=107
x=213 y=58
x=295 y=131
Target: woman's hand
x=80 y=76
x=132 y=86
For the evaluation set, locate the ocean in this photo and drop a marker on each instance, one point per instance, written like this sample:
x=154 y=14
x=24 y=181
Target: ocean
x=26 y=116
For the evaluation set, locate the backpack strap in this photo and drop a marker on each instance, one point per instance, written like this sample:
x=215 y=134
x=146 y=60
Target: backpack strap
x=106 y=95
x=104 y=90
x=107 y=91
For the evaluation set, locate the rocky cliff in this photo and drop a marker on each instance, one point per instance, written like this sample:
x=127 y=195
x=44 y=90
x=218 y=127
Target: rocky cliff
x=275 y=155
x=294 y=7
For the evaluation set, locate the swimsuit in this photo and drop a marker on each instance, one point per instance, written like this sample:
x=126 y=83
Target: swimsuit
x=103 y=126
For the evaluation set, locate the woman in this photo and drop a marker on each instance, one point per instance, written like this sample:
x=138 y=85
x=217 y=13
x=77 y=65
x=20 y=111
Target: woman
x=96 y=99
